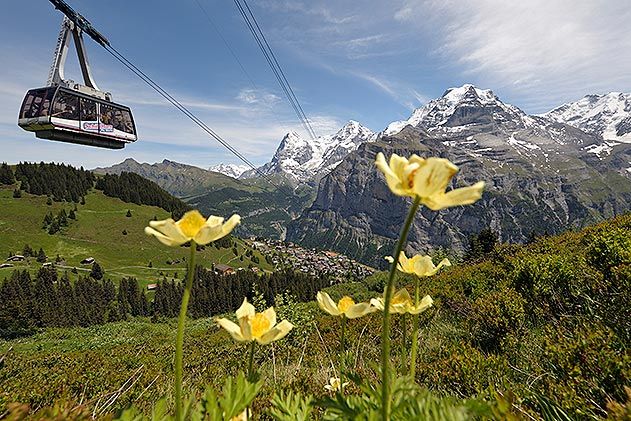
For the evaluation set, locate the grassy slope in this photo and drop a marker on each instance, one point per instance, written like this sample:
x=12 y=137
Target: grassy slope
x=98 y=233
x=570 y=359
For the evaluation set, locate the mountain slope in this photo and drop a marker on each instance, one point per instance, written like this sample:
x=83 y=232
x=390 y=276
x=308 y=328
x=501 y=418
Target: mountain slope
x=180 y=180
x=542 y=176
x=103 y=231
x=305 y=160
x=266 y=208
x=608 y=116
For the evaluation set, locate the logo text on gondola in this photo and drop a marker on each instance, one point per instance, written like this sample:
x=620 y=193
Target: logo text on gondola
x=96 y=127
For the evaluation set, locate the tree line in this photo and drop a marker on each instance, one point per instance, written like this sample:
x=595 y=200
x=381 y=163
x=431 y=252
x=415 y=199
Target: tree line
x=213 y=293
x=132 y=188
x=47 y=300
x=28 y=303
x=62 y=182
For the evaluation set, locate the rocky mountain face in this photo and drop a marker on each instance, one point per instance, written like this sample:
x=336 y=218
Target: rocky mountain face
x=307 y=160
x=542 y=176
x=607 y=116
x=231 y=170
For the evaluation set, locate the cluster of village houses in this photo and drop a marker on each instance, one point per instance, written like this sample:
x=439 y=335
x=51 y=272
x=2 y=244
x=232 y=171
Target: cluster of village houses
x=311 y=261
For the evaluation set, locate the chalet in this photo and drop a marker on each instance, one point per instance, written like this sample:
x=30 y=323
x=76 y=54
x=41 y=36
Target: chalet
x=6 y=265
x=16 y=258
x=87 y=261
x=223 y=269
x=152 y=287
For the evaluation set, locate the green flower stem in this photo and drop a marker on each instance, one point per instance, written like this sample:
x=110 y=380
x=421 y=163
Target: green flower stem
x=251 y=362
x=415 y=320
x=179 y=344
x=385 y=330
x=404 y=340
x=250 y=374
x=342 y=353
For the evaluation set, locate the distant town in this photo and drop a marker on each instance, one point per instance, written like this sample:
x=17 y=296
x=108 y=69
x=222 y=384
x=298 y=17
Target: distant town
x=311 y=261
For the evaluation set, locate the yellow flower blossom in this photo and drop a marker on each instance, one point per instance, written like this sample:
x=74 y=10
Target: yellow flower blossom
x=426 y=179
x=253 y=326
x=243 y=416
x=345 y=307
x=402 y=303
x=335 y=384
x=192 y=226
x=418 y=265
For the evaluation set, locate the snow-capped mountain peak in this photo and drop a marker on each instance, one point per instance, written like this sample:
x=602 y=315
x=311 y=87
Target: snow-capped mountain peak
x=608 y=116
x=231 y=170
x=303 y=159
x=461 y=108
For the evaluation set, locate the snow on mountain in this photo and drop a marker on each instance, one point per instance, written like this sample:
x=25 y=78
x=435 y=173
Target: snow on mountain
x=304 y=159
x=477 y=121
x=608 y=116
x=231 y=170
x=461 y=109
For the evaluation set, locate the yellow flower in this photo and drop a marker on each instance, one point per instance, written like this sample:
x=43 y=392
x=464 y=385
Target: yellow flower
x=345 y=307
x=242 y=416
x=335 y=384
x=192 y=226
x=418 y=265
x=259 y=327
x=426 y=179
x=402 y=303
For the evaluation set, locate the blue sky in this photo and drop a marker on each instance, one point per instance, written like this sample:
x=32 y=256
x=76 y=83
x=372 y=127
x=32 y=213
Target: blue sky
x=373 y=61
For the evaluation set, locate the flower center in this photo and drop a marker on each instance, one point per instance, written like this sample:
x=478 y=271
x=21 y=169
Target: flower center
x=411 y=178
x=345 y=303
x=398 y=300
x=259 y=324
x=191 y=223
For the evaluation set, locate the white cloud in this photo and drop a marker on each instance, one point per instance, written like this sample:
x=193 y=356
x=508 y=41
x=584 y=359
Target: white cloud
x=547 y=51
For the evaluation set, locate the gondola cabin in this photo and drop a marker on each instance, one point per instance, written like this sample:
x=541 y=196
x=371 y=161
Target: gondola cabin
x=66 y=115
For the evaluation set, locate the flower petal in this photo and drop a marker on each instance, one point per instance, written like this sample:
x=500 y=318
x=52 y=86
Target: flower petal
x=246 y=310
x=276 y=333
x=359 y=310
x=327 y=304
x=270 y=315
x=377 y=303
x=433 y=177
x=456 y=197
x=161 y=237
x=213 y=231
x=232 y=328
x=168 y=228
x=425 y=303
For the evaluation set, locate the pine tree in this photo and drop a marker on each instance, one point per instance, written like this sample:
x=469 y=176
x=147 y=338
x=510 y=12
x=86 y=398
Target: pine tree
x=41 y=256
x=72 y=214
x=96 y=272
x=6 y=174
x=17 y=193
x=27 y=251
x=49 y=201
x=128 y=213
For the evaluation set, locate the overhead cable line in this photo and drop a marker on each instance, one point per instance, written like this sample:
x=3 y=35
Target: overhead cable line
x=234 y=55
x=118 y=56
x=270 y=57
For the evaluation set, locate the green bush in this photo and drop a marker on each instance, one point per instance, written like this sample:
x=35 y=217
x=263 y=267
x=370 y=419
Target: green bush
x=495 y=316
x=609 y=248
x=586 y=366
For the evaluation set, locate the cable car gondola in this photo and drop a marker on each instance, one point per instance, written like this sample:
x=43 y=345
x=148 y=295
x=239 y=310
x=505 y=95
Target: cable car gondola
x=70 y=112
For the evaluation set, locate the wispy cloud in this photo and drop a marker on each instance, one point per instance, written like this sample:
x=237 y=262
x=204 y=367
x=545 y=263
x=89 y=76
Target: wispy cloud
x=540 y=49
